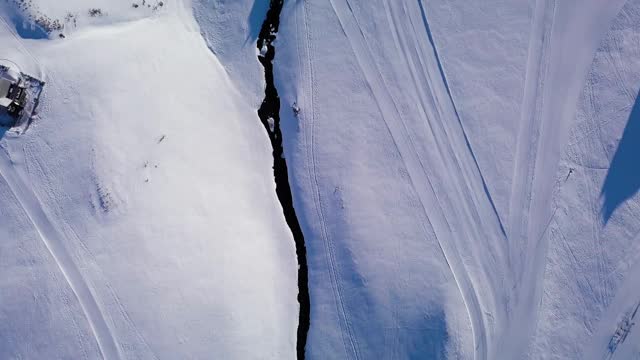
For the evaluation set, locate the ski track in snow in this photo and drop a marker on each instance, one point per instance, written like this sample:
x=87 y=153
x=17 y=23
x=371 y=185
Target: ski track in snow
x=52 y=238
x=445 y=129
x=54 y=242
x=351 y=29
x=89 y=257
x=542 y=133
x=41 y=75
x=493 y=268
x=346 y=329
x=473 y=170
x=528 y=133
x=110 y=345
x=520 y=248
x=125 y=315
x=402 y=46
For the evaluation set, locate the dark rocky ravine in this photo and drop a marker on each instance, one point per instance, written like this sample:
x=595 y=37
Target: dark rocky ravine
x=269 y=114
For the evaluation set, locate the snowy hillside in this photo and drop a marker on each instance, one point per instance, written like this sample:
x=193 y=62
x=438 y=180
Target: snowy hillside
x=329 y=179
x=444 y=153
x=139 y=218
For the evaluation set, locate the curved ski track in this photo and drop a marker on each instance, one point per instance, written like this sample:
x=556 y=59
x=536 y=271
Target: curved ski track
x=528 y=132
x=100 y=278
x=349 y=339
x=531 y=207
x=482 y=237
x=53 y=240
x=521 y=250
x=499 y=274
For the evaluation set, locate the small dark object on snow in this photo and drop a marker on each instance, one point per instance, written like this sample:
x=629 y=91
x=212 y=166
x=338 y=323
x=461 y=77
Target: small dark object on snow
x=571 y=170
x=95 y=12
x=162 y=138
x=295 y=108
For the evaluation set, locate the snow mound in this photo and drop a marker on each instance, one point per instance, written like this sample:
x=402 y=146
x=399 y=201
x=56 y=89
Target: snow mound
x=42 y=19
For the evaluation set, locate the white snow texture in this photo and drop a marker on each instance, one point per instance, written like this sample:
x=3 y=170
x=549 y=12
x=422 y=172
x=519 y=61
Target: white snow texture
x=465 y=173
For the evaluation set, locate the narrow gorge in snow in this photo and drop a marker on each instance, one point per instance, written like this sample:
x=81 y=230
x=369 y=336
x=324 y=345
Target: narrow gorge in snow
x=319 y=179
x=269 y=113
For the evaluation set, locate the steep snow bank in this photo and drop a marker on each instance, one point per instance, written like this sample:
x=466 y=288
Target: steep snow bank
x=230 y=28
x=142 y=205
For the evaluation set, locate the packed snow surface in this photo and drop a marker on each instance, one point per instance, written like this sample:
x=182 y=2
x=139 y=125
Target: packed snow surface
x=139 y=217
x=465 y=174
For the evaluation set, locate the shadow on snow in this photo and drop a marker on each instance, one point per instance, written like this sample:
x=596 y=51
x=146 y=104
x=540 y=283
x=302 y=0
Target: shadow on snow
x=623 y=178
x=256 y=18
x=27 y=29
x=432 y=345
x=31 y=31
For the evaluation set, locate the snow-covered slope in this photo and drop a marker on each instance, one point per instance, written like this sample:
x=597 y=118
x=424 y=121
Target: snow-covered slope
x=472 y=107
x=464 y=174
x=139 y=218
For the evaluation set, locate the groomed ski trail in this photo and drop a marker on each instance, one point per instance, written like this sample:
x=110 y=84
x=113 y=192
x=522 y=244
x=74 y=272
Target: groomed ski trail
x=528 y=132
x=349 y=339
x=562 y=44
x=523 y=252
x=438 y=109
x=52 y=238
x=488 y=236
x=54 y=242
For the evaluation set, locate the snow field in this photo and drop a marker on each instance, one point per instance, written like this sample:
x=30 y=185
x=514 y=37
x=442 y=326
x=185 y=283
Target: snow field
x=147 y=177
